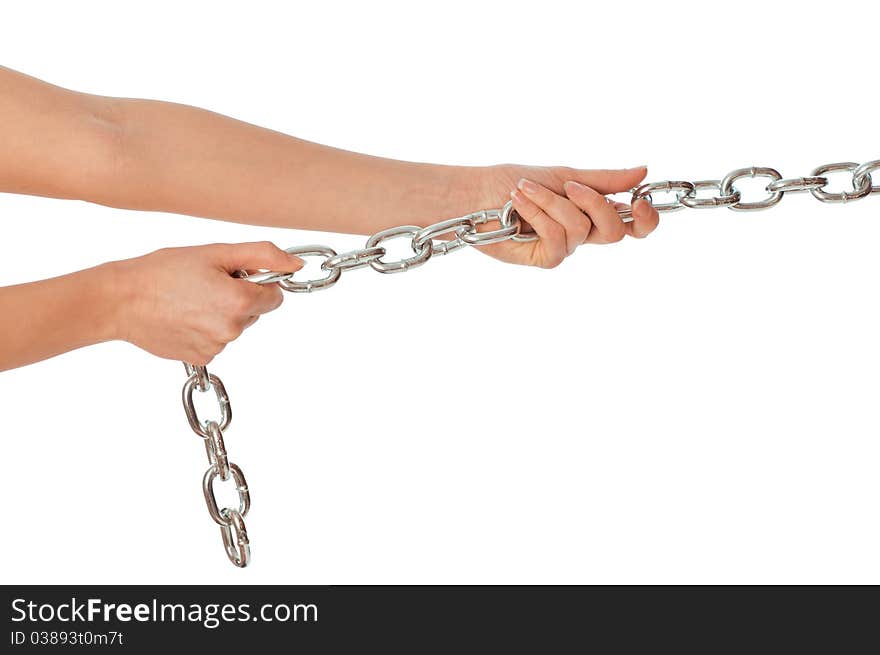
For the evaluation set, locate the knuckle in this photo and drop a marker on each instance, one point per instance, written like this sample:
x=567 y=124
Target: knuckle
x=555 y=231
x=643 y=229
x=553 y=258
x=615 y=233
x=240 y=301
x=226 y=331
x=566 y=172
x=277 y=299
x=529 y=211
x=558 y=204
x=267 y=247
x=582 y=231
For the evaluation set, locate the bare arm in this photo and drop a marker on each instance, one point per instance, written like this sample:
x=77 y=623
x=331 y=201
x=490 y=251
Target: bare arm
x=42 y=319
x=192 y=161
x=152 y=155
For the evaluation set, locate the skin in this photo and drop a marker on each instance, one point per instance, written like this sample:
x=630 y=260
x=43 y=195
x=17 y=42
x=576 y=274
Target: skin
x=160 y=156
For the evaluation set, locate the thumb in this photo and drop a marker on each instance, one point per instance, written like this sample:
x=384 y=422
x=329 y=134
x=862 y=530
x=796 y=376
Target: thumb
x=611 y=181
x=260 y=255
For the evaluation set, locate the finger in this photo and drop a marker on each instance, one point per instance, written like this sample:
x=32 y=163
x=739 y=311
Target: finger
x=249 y=321
x=576 y=225
x=258 y=255
x=645 y=219
x=608 y=226
x=608 y=180
x=263 y=298
x=551 y=235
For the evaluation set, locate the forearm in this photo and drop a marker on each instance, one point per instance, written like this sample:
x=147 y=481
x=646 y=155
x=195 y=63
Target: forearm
x=41 y=319
x=161 y=156
x=186 y=160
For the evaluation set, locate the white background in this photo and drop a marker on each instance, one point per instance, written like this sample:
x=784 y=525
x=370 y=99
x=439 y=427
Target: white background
x=698 y=407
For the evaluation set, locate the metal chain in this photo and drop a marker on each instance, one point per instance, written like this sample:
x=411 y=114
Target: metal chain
x=230 y=520
x=424 y=246
x=684 y=195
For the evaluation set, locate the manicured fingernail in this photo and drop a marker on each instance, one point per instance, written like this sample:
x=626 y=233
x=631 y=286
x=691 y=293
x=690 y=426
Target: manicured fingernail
x=515 y=196
x=528 y=187
x=571 y=185
x=635 y=168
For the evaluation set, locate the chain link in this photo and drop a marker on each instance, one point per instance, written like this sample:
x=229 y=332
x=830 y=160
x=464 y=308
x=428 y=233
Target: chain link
x=423 y=249
x=195 y=382
x=679 y=188
x=464 y=230
x=691 y=201
x=861 y=182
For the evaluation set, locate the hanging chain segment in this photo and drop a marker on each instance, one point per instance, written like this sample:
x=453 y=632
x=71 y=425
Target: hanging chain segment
x=425 y=244
x=230 y=520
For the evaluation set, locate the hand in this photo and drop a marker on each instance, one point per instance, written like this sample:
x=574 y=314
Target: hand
x=564 y=206
x=183 y=303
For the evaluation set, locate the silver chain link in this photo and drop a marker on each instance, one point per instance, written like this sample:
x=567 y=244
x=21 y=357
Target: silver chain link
x=424 y=244
x=230 y=520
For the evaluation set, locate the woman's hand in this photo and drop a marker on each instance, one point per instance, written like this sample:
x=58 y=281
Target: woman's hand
x=564 y=206
x=183 y=303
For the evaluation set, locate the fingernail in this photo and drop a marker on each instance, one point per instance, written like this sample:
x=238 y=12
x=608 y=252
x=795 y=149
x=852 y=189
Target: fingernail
x=528 y=187
x=297 y=261
x=635 y=168
x=515 y=196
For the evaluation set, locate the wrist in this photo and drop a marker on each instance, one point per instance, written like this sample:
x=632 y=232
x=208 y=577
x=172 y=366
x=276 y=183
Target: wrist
x=114 y=298
x=484 y=187
x=468 y=192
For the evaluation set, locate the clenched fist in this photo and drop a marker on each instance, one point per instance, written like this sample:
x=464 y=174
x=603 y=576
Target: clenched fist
x=183 y=303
